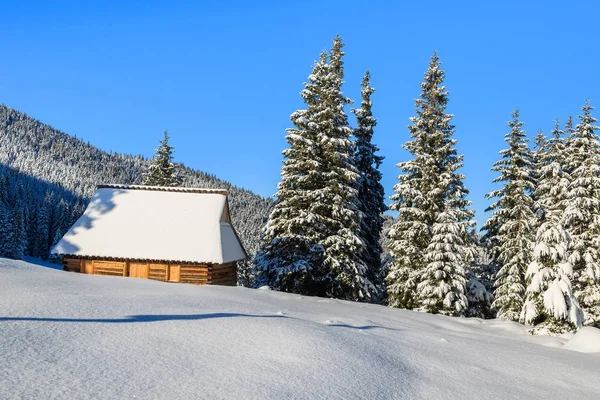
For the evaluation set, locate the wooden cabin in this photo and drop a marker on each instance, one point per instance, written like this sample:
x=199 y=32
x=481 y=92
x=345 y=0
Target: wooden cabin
x=150 y=232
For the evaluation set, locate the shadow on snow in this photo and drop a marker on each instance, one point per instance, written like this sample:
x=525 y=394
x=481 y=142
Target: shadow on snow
x=141 y=318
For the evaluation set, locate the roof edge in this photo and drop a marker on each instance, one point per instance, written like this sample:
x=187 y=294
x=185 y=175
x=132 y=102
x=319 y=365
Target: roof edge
x=162 y=188
x=234 y=231
x=142 y=260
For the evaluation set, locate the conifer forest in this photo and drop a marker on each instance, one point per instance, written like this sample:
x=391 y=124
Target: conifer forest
x=328 y=231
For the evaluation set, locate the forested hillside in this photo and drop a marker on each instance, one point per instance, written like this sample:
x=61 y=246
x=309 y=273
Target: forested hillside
x=47 y=178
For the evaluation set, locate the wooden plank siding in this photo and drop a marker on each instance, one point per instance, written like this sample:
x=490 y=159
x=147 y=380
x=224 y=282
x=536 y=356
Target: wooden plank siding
x=158 y=272
x=110 y=268
x=72 y=265
x=138 y=270
x=174 y=273
x=198 y=274
x=223 y=274
x=88 y=266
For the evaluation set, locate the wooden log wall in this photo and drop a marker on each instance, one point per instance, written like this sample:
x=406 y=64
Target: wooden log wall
x=158 y=272
x=199 y=274
x=109 y=268
x=138 y=270
x=223 y=274
x=72 y=264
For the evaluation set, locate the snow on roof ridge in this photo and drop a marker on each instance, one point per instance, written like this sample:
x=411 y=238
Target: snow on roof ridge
x=161 y=188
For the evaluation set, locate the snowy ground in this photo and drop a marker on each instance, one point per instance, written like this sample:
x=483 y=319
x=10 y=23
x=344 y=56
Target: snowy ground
x=68 y=335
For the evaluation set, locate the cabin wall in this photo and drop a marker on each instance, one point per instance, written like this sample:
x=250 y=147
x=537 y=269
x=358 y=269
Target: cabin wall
x=199 y=274
x=223 y=274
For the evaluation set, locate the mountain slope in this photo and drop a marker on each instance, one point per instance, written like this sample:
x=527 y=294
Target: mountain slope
x=33 y=154
x=68 y=335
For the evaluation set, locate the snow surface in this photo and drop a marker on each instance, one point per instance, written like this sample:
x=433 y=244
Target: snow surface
x=586 y=340
x=133 y=223
x=68 y=335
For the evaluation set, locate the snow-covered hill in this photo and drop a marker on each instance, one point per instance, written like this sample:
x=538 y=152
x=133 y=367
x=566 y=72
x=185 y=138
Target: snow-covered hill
x=67 y=335
x=49 y=176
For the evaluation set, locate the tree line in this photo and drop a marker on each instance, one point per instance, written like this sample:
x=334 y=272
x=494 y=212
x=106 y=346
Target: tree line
x=544 y=234
x=536 y=262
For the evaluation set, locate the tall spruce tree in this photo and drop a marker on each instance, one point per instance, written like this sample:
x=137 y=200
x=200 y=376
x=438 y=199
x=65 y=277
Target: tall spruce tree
x=430 y=198
x=509 y=226
x=161 y=170
x=370 y=191
x=550 y=303
x=290 y=257
x=311 y=243
x=582 y=214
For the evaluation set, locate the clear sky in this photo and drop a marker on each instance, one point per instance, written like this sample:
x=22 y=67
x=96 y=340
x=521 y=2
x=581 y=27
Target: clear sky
x=224 y=76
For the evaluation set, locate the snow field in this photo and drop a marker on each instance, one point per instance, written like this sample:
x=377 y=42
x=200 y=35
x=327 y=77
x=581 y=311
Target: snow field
x=67 y=335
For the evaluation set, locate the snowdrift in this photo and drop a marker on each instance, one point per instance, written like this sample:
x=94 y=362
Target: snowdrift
x=66 y=335
x=586 y=340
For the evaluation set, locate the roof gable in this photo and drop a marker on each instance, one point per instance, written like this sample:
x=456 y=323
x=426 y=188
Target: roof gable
x=154 y=223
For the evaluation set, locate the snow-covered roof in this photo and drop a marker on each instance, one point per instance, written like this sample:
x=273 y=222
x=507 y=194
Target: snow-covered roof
x=155 y=223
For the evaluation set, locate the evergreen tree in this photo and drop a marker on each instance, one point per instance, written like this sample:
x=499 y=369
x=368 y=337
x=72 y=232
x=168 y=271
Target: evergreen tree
x=386 y=256
x=42 y=233
x=582 y=214
x=443 y=283
x=480 y=283
x=569 y=136
x=56 y=218
x=550 y=303
x=6 y=230
x=311 y=243
x=370 y=191
x=510 y=224
x=161 y=170
x=540 y=146
x=428 y=186
x=539 y=154
x=245 y=273
x=19 y=242
x=291 y=257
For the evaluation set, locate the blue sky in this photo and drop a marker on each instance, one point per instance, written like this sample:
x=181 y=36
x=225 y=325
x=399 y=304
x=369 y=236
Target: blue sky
x=224 y=76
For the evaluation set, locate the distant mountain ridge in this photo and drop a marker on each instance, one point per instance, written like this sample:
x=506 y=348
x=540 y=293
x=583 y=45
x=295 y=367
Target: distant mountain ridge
x=66 y=169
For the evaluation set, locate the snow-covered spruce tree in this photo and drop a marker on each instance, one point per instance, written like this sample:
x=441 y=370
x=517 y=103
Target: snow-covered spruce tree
x=290 y=257
x=161 y=170
x=443 y=282
x=550 y=304
x=386 y=256
x=480 y=281
x=539 y=153
x=582 y=214
x=569 y=136
x=19 y=244
x=6 y=231
x=343 y=245
x=540 y=147
x=311 y=243
x=428 y=185
x=370 y=191
x=510 y=223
